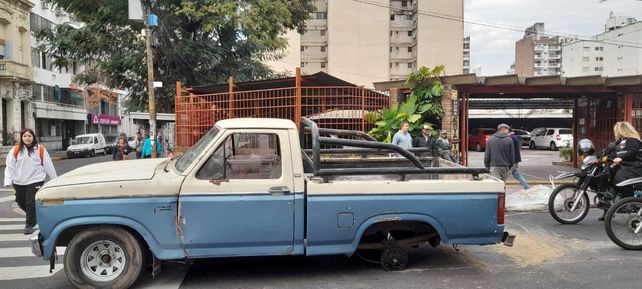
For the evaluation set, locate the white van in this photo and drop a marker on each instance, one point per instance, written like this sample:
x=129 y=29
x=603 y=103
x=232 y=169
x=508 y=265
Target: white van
x=87 y=145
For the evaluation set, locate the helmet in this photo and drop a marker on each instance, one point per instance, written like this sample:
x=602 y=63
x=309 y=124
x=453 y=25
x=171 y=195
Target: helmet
x=585 y=147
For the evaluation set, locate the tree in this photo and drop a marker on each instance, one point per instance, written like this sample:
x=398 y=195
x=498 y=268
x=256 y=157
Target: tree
x=197 y=42
x=421 y=106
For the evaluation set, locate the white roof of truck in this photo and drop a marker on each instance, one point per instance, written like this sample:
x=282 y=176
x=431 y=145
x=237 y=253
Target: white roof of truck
x=236 y=123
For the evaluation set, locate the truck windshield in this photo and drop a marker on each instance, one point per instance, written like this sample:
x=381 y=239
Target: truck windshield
x=191 y=154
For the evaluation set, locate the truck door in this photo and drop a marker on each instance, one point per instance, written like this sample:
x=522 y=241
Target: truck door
x=240 y=199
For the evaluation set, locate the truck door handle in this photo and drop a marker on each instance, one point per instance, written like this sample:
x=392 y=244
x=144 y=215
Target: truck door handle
x=279 y=190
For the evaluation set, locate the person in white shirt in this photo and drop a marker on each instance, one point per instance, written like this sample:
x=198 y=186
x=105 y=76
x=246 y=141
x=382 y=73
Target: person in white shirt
x=27 y=166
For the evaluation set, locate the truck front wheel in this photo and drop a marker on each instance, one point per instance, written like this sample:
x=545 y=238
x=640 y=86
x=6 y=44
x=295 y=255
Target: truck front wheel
x=103 y=257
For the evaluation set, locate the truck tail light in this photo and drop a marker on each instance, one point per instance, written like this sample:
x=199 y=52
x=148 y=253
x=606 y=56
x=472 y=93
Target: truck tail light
x=501 y=208
x=558 y=137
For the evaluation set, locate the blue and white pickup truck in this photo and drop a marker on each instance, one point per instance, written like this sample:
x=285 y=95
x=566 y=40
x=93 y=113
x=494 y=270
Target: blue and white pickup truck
x=248 y=189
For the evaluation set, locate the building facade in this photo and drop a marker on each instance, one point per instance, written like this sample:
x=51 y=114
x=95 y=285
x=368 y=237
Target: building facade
x=367 y=41
x=15 y=69
x=614 y=52
x=60 y=112
x=538 y=54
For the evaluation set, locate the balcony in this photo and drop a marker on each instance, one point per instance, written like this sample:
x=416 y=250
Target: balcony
x=12 y=69
x=396 y=6
x=402 y=23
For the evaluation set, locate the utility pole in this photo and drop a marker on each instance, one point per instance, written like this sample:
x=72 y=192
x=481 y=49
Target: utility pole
x=150 y=80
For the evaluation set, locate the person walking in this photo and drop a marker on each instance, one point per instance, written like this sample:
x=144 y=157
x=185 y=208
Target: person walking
x=27 y=166
x=500 y=153
x=122 y=149
x=138 y=145
x=443 y=147
x=402 y=138
x=146 y=152
x=425 y=140
x=518 y=158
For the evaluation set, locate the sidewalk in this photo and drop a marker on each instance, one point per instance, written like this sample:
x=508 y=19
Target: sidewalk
x=55 y=156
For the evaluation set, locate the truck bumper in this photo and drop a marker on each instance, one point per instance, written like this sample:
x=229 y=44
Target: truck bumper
x=36 y=248
x=508 y=239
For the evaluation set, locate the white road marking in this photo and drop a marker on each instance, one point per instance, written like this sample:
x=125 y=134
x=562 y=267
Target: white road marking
x=11 y=227
x=7 y=199
x=14 y=237
x=25 y=252
x=12 y=219
x=26 y=272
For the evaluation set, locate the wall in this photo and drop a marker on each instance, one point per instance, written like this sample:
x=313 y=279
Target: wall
x=524 y=53
x=441 y=41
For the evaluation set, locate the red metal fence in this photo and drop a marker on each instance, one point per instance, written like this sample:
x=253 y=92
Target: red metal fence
x=329 y=107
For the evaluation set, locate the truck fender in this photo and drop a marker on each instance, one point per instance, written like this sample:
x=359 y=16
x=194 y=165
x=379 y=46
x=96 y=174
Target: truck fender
x=50 y=243
x=397 y=217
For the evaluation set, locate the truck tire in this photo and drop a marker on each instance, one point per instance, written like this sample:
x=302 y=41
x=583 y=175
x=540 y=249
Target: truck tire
x=103 y=257
x=394 y=259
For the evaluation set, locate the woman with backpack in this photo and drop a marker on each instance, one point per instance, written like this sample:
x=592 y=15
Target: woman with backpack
x=27 y=166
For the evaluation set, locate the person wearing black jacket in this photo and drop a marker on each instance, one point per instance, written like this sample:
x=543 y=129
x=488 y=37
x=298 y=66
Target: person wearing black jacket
x=627 y=156
x=425 y=140
x=122 y=149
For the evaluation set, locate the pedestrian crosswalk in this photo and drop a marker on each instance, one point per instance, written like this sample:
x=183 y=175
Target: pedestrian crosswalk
x=18 y=264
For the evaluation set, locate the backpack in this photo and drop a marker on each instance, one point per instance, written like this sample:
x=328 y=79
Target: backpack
x=41 y=149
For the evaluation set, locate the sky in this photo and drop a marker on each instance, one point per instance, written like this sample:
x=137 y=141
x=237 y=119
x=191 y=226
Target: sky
x=493 y=49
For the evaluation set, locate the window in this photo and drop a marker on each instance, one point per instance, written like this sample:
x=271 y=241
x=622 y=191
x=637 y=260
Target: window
x=322 y=64
x=410 y=49
x=244 y=156
x=322 y=32
x=36 y=91
x=322 y=48
x=318 y=15
x=404 y=3
x=409 y=17
x=2 y=49
x=35 y=57
x=599 y=58
x=550 y=132
x=586 y=48
x=410 y=33
x=599 y=68
x=43 y=61
x=191 y=154
x=586 y=59
x=410 y=65
x=302 y=48
x=392 y=17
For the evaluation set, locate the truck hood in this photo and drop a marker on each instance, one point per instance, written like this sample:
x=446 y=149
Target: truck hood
x=115 y=171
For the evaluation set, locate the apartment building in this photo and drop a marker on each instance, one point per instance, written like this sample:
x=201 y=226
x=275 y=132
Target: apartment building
x=538 y=54
x=15 y=69
x=467 y=54
x=377 y=40
x=61 y=112
x=614 y=52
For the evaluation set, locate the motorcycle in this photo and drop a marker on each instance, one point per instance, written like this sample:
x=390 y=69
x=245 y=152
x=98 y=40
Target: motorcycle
x=569 y=203
x=623 y=221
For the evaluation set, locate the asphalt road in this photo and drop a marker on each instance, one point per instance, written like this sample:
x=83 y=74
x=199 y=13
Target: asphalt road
x=545 y=255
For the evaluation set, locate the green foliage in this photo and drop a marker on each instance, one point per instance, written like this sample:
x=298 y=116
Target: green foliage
x=423 y=103
x=566 y=153
x=199 y=42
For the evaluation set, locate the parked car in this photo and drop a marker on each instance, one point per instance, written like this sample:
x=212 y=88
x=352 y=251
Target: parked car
x=524 y=137
x=111 y=143
x=552 y=138
x=244 y=189
x=479 y=137
x=536 y=131
x=132 y=142
x=87 y=145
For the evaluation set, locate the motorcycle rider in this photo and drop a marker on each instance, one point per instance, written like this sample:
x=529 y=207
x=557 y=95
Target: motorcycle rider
x=627 y=156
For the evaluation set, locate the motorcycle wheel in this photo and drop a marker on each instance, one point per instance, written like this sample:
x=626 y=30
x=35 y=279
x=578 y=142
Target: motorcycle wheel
x=561 y=201
x=621 y=221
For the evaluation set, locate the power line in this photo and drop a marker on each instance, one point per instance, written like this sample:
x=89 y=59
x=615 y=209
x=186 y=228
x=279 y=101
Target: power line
x=497 y=26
